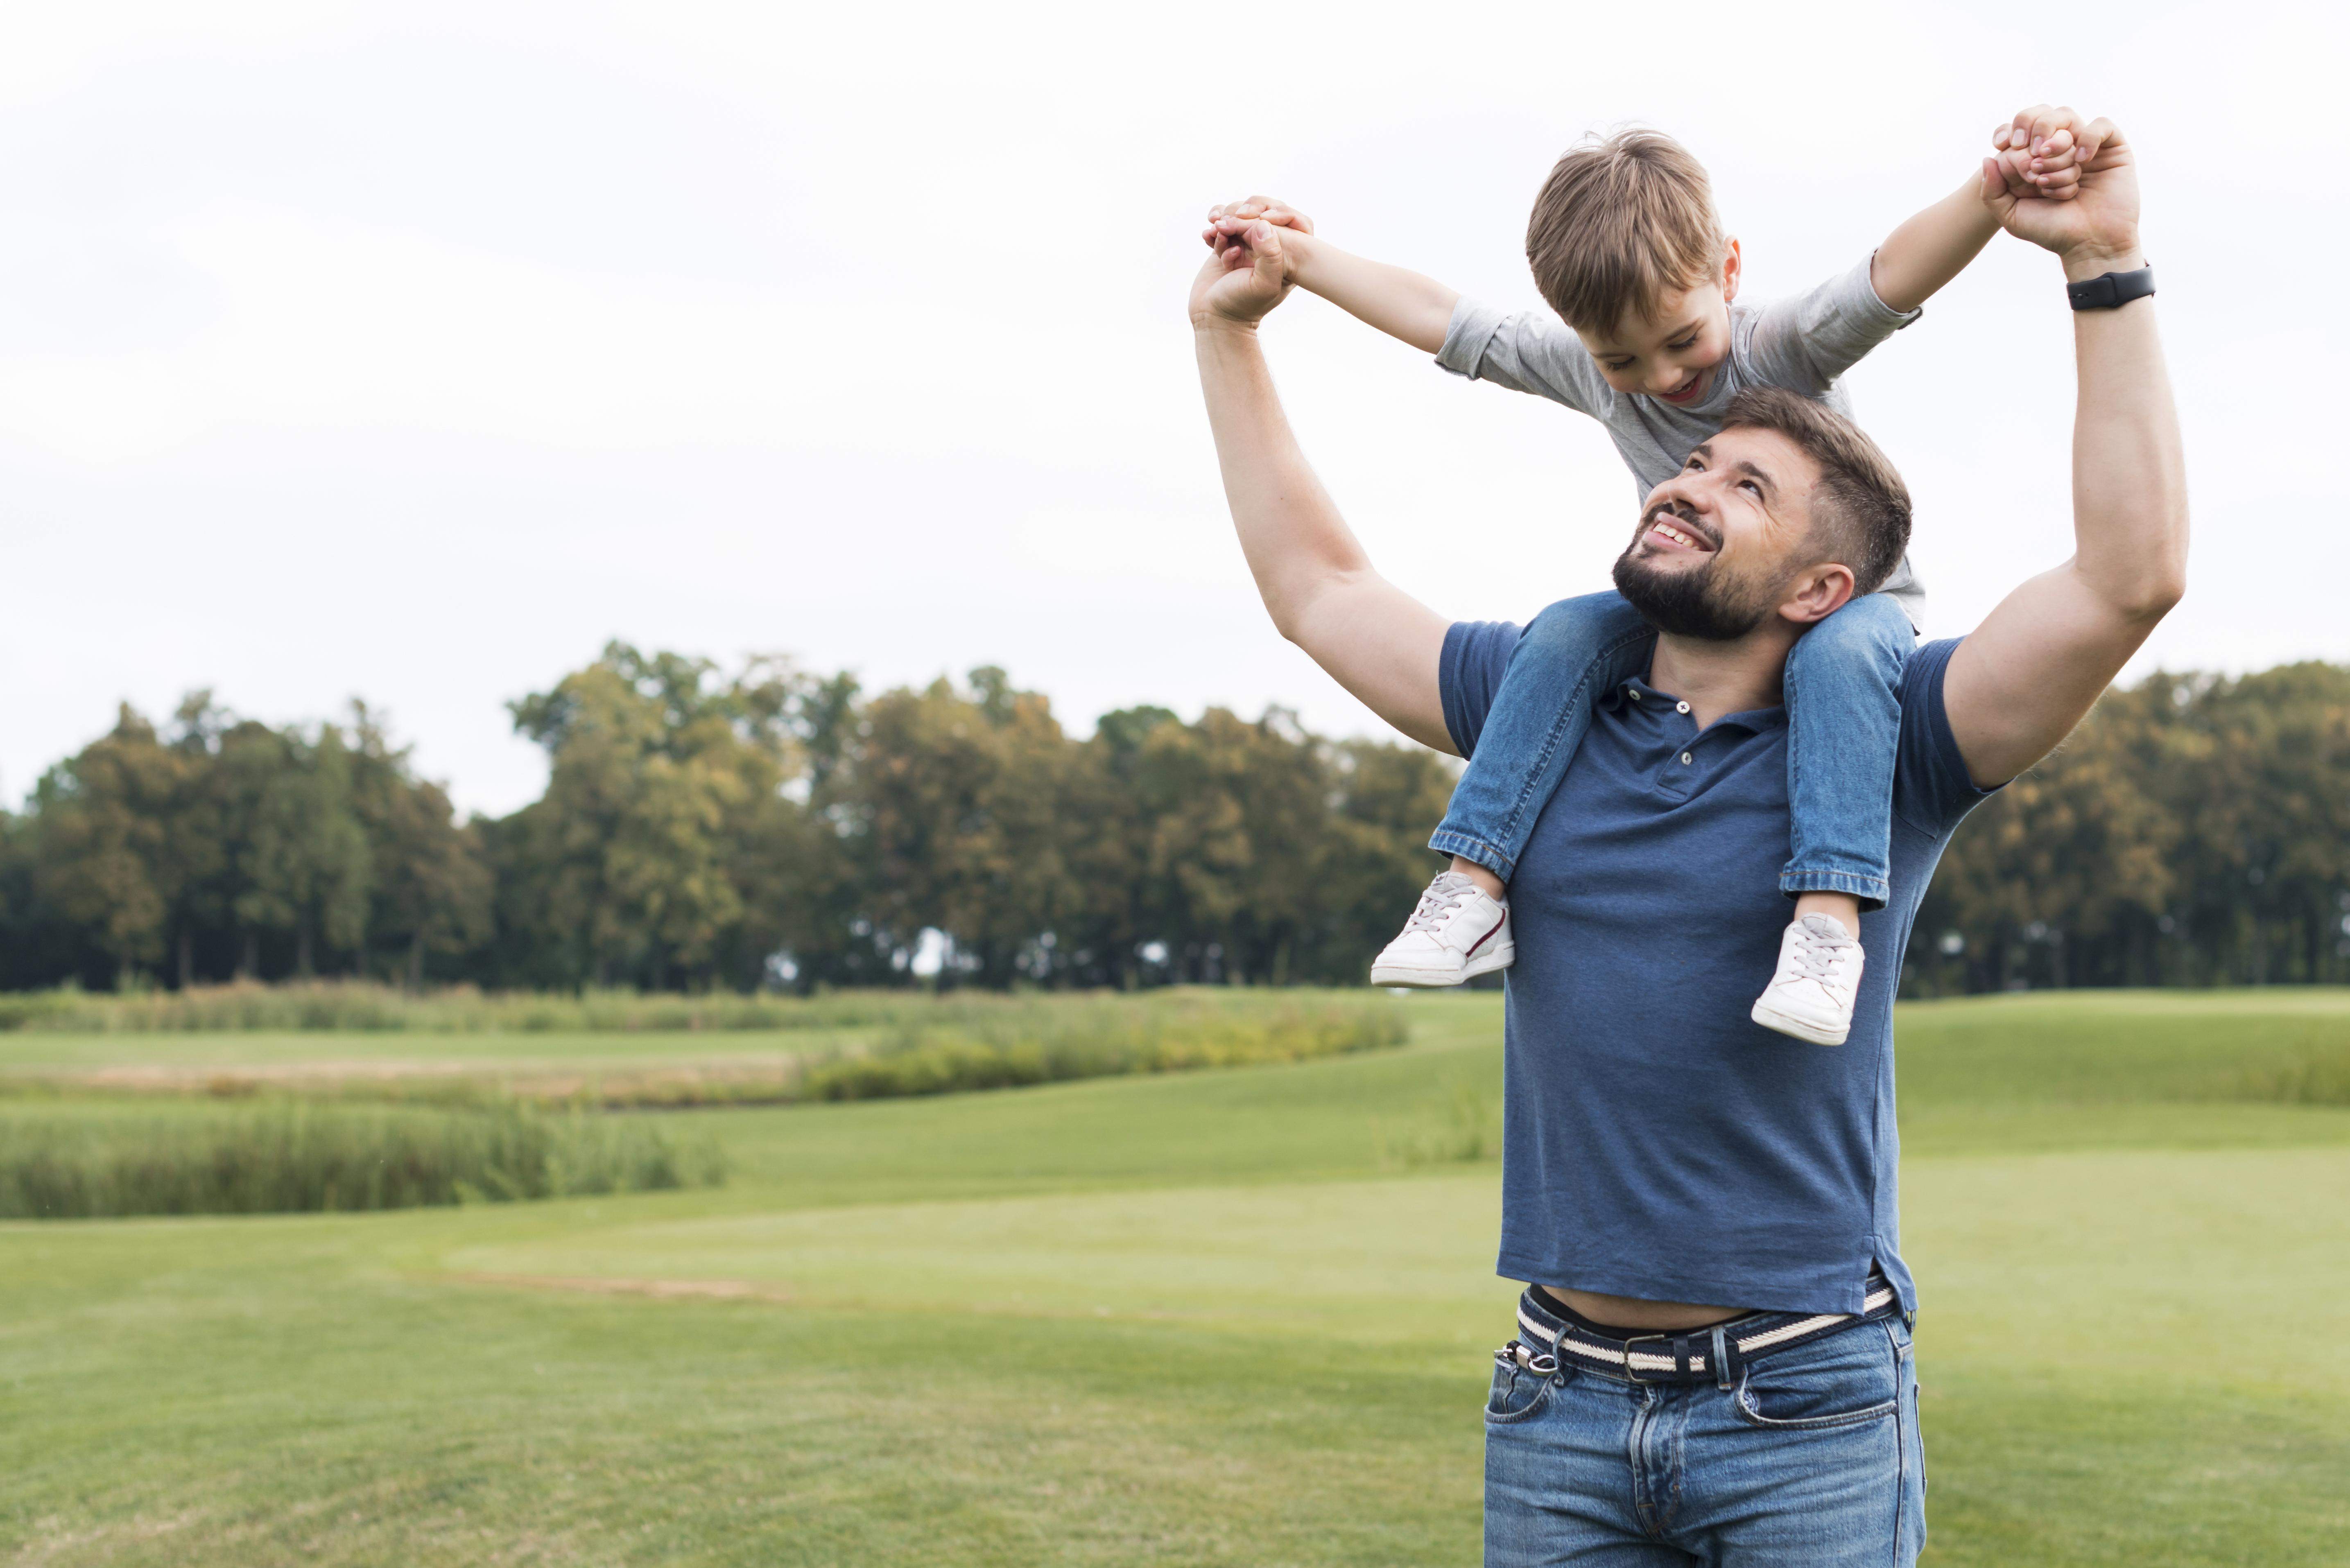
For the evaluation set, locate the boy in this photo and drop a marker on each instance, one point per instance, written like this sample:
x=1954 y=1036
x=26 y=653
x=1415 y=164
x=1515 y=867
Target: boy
x=1625 y=247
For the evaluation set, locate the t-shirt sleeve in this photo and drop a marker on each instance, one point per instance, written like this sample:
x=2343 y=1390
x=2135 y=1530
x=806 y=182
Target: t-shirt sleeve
x=1931 y=787
x=1526 y=351
x=1476 y=653
x=1806 y=342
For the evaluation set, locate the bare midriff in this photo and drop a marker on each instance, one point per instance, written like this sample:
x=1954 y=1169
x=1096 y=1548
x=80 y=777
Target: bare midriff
x=1631 y=1312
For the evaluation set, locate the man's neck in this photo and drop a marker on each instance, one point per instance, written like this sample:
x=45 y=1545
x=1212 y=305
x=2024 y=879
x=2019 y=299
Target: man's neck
x=1719 y=678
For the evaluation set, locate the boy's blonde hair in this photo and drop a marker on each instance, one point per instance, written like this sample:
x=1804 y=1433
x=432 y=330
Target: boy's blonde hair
x=1622 y=221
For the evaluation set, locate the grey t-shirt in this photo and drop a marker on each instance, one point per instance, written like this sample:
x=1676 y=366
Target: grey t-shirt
x=1802 y=343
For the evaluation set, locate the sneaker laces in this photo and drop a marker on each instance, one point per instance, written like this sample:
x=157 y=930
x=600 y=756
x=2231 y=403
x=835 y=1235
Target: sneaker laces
x=1443 y=895
x=1820 y=950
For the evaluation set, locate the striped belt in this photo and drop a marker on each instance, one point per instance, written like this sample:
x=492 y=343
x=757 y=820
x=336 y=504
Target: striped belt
x=1710 y=1354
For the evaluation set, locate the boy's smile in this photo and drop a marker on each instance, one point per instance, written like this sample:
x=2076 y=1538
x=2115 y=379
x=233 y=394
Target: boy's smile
x=1691 y=389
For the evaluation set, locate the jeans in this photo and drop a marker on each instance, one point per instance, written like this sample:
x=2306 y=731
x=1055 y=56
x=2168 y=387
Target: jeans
x=1810 y=1459
x=1843 y=722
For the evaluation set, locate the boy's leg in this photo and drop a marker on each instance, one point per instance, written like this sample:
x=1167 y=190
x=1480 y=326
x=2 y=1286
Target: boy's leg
x=1571 y=653
x=1843 y=728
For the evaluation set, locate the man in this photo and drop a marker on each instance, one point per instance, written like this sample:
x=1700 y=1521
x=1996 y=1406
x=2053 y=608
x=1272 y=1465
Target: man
x=1713 y=1361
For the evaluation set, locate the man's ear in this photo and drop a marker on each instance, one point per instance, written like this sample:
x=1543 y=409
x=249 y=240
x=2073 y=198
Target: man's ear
x=1817 y=592
x=1731 y=269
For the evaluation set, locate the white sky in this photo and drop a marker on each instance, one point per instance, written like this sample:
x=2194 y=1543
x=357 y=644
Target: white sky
x=411 y=351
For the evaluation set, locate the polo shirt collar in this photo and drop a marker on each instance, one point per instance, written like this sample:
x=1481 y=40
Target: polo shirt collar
x=1638 y=696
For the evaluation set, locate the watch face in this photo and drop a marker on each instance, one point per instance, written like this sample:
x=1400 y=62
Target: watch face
x=2108 y=291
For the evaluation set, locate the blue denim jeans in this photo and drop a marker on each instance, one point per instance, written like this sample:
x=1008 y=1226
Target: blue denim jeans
x=1843 y=723
x=1810 y=1459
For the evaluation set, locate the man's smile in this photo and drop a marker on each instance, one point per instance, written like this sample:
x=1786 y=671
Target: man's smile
x=1671 y=531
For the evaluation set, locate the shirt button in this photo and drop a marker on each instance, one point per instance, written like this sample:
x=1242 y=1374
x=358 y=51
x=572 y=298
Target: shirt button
x=1635 y=695
x=1680 y=707
x=1685 y=757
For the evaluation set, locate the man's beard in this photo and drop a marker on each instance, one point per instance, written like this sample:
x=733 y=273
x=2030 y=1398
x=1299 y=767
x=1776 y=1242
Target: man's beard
x=1698 y=601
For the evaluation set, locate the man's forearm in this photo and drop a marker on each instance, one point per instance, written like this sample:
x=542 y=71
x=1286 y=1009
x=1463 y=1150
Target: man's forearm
x=1289 y=528
x=2129 y=478
x=1399 y=302
x=2021 y=682
x=1931 y=248
x=1373 y=639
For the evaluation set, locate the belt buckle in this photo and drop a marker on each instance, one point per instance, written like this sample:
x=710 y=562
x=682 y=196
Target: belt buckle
x=1664 y=1339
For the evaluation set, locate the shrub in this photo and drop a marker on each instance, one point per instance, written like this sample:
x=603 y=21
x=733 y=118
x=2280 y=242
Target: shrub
x=78 y=1162
x=1098 y=1038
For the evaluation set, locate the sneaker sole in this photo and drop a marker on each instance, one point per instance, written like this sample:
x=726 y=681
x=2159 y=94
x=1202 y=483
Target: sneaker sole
x=1502 y=957
x=1801 y=1029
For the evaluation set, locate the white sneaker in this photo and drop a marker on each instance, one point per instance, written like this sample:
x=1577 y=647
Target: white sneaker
x=1812 y=995
x=1456 y=934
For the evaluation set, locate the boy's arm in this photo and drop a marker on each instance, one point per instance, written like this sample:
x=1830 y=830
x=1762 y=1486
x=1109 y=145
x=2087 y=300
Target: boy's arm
x=2039 y=153
x=1931 y=248
x=1526 y=351
x=1401 y=303
x=1807 y=342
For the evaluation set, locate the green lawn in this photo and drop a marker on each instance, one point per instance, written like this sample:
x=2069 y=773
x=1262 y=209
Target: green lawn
x=1217 y=1318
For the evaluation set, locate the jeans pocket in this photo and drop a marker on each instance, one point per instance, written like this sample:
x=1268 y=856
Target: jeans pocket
x=1519 y=1393
x=1857 y=1379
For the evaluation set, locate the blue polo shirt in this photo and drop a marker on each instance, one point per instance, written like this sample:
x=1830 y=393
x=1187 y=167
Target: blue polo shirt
x=1658 y=1143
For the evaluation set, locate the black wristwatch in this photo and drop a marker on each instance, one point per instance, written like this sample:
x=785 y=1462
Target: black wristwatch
x=2110 y=290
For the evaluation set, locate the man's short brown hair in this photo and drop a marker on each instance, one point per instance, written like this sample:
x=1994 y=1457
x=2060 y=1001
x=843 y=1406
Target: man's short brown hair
x=1622 y=221
x=1860 y=509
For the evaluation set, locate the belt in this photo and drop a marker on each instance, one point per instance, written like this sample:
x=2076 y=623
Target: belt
x=1710 y=1355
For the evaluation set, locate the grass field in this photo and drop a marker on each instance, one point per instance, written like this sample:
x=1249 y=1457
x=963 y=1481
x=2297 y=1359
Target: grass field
x=1215 y=1318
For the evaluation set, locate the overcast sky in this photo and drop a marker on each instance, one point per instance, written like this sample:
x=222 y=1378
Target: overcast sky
x=413 y=351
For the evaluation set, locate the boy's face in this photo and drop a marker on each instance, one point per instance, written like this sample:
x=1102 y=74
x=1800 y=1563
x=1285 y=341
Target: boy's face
x=1672 y=357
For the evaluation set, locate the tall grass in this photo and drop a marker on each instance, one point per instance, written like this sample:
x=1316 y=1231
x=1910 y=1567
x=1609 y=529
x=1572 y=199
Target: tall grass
x=1099 y=1037
x=2316 y=1077
x=76 y=1162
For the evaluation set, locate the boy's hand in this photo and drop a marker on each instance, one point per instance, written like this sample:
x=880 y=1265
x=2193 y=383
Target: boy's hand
x=1226 y=221
x=2095 y=226
x=2041 y=151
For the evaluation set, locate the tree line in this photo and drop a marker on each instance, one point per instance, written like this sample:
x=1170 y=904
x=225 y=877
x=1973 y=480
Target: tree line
x=705 y=830
x=769 y=827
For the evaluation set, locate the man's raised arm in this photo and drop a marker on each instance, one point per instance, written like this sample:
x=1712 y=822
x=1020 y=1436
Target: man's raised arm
x=1376 y=641
x=2019 y=682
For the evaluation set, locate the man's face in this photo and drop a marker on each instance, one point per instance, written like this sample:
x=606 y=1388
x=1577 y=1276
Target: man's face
x=1719 y=542
x=1673 y=357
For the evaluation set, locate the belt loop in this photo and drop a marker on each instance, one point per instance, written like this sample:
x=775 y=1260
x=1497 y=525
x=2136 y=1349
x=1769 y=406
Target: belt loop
x=1722 y=1358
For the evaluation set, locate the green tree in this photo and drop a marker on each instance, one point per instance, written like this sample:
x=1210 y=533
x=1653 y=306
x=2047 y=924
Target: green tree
x=105 y=854
x=954 y=803
x=627 y=866
x=431 y=882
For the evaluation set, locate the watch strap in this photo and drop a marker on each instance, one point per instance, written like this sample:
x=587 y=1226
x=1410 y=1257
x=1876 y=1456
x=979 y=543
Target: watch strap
x=2110 y=290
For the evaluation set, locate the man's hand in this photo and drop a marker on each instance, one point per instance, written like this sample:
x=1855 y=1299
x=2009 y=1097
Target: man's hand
x=2088 y=182
x=1243 y=280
